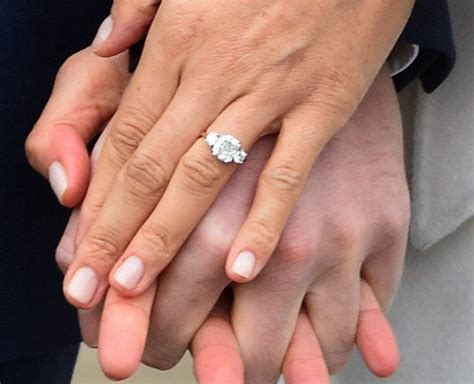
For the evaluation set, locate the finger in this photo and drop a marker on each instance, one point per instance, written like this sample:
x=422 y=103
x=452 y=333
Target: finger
x=137 y=189
x=127 y=24
x=123 y=333
x=140 y=108
x=192 y=283
x=279 y=188
x=88 y=320
x=197 y=181
x=383 y=269
x=149 y=93
x=85 y=95
x=215 y=349
x=264 y=317
x=304 y=361
x=65 y=249
x=333 y=307
x=375 y=338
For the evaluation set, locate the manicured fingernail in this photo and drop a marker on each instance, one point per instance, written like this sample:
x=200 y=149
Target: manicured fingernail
x=244 y=264
x=83 y=285
x=58 y=179
x=130 y=272
x=103 y=32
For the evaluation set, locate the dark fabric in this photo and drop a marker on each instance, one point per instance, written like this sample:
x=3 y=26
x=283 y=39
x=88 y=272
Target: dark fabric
x=429 y=27
x=54 y=367
x=36 y=36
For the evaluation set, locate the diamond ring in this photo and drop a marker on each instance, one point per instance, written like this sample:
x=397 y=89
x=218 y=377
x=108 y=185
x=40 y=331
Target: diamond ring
x=226 y=148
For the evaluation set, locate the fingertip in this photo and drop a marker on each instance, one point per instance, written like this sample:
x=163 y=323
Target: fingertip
x=120 y=31
x=123 y=333
x=375 y=337
x=243 y=268
x=216 y=353
x=69 y=173
x=103 y=34
x=83 y=288
x=127 y=276
x=378 y=345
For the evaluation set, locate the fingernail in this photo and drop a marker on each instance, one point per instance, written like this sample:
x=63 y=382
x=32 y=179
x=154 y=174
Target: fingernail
x=83 y=285
x=244 y=264
x=58 y=179
x=103 y=32
x=130 y=272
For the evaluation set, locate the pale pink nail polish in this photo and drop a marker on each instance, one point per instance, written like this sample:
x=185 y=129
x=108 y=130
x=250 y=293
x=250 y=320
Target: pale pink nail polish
x=58 y=179
x=129 y=274
x=83 y=285
x=103 y=32
x=244 y=264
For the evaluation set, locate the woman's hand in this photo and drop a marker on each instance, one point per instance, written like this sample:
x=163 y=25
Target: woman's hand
x=244 y=68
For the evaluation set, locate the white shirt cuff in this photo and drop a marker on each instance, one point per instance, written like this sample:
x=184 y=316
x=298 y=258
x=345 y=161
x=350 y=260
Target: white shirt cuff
x=402 y=56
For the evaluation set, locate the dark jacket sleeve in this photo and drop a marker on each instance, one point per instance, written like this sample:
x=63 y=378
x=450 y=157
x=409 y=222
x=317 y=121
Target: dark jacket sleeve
x=429 y=27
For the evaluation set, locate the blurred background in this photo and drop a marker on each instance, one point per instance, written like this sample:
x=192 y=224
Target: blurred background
x=88 y=372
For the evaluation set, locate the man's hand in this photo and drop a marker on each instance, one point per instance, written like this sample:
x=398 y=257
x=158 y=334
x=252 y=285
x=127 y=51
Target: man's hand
x=304 y=357
x=244 y=68
x=350 y=223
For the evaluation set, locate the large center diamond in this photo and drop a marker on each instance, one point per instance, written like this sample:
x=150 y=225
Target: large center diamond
x=225 y=148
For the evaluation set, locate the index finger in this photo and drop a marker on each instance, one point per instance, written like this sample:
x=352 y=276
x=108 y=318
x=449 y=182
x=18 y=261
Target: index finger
x=123 y=332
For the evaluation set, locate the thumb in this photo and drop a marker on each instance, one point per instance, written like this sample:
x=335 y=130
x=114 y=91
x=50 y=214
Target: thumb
x=86 y=94
x=127 y=24
x=375 y=338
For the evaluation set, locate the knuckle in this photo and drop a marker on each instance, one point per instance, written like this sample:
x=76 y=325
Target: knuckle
x=132 y=126
x=145 y=175
x=155 y=238
x=264 y=236
x=63 y=256
x=344 y=233
x=101 y=247
x=200 y=172
x=36 y=145
x=329 y=99
x=393 y=226
x=283 y=179
x=297 y=250
x=90 y=209
x=393 y=229
x=73 y=62
x=213 y=252
x=206 y=239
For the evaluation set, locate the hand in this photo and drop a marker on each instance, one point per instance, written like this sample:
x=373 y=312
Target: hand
x=188 y=82
x=87 y=85
x=124 y=323
x=351 y=221
x=303 y=358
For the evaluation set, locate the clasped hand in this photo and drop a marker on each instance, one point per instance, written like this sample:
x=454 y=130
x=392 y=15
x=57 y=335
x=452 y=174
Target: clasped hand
x=155 y=180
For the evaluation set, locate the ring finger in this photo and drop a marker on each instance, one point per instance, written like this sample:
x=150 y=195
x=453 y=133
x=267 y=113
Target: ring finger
x=194 y=186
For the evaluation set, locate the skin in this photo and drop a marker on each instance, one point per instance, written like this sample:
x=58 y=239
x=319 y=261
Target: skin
x=259 y=83
x=209 y=332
